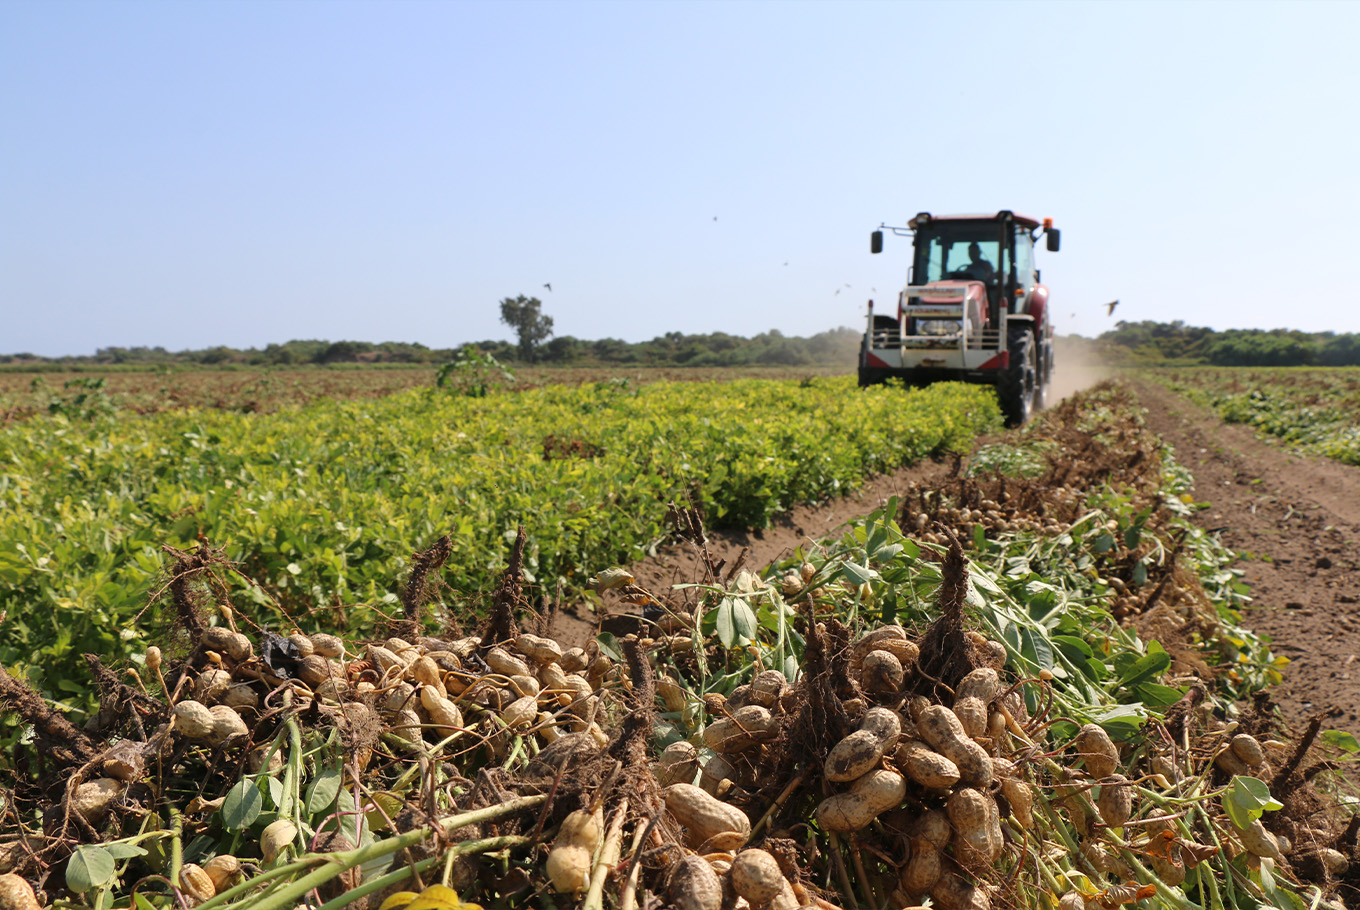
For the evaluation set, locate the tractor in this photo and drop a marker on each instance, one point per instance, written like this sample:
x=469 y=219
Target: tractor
x=973 y=310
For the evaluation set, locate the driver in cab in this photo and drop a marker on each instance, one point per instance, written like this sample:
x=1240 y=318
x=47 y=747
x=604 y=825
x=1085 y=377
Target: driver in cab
x=978 y=268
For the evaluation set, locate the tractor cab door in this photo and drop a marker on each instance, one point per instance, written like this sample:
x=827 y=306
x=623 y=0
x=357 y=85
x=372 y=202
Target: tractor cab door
x=1025 y=277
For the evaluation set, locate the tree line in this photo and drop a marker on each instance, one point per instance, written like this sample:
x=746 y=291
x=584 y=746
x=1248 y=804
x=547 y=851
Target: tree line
x=716 y=349
x=1150 y=343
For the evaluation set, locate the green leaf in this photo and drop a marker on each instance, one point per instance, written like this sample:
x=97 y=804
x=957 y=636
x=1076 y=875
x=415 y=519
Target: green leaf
x=1247 y=799
x=856 y=574
x=323 y=791
x=91 y=866
x=744 y=621
x=723 y=622
x=1104 y=543
x=241 y=806
x=1036 y=648
x=1340 y=739
x=609 y=646
x=1148 y=667
x=1158 y=695
x=1070 y=643
x=141 y=903
x=124 y=851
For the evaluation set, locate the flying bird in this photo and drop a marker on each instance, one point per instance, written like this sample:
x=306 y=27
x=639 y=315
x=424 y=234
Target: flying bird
x=838 y=290
x=715 y=217
x=548 y=286
x=1109 y=307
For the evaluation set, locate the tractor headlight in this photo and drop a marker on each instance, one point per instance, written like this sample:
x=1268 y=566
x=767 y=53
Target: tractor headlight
x=939 y=327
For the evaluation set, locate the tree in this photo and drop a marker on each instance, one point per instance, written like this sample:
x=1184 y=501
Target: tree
x=525 y=316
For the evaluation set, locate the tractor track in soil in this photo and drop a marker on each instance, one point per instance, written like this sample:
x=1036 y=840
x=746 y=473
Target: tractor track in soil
x=1294 y=518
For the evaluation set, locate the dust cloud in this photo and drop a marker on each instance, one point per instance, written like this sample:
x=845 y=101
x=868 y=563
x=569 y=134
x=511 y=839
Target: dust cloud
x=1076 y=367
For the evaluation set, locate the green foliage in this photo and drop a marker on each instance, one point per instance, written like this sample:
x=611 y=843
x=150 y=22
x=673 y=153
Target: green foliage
x=473 y=373
x=1154 y=343
x=86 y=399
x=1309 y=409
x=318 y=505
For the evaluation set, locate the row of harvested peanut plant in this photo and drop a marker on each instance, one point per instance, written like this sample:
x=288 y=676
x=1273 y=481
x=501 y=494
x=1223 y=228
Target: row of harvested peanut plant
x=1026 y=687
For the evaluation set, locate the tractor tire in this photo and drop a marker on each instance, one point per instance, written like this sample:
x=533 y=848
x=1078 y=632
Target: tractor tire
x=1017 y=384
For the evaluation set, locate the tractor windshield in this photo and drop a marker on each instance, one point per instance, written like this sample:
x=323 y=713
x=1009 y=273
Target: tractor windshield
x=963 y=251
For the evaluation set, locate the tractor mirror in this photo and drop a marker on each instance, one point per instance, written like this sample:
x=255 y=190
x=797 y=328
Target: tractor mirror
x=876 y=242
x=1054 y=239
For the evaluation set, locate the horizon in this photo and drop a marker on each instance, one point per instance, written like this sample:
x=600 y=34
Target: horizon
x=186 y=176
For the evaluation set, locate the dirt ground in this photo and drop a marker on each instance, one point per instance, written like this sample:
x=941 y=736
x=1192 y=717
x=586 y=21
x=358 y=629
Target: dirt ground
x=1296 y=519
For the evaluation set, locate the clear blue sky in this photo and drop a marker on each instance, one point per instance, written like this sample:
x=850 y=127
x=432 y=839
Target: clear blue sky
x=188 y=174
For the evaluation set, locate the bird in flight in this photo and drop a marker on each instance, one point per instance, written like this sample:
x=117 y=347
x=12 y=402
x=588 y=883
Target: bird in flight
x=548 y=285
x=1109 y=307
x=715 y=217
x=838 y=290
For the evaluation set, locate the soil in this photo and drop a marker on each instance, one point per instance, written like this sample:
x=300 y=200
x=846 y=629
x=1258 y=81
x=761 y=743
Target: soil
x=1295 y=519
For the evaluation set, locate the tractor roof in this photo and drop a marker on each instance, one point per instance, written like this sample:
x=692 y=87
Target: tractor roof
x=1019 y=219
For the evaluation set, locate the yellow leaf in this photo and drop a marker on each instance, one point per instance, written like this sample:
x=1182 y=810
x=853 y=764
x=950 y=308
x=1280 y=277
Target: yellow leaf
x=398 y=900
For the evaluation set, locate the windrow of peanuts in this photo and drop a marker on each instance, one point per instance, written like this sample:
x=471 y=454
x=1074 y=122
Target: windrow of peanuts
x=452 y=700
x=945 y=800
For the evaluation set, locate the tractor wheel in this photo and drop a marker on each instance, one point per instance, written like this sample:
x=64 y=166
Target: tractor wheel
x=1018 y=381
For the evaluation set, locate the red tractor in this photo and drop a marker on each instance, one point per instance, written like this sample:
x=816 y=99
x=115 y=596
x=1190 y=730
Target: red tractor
x=973 y=310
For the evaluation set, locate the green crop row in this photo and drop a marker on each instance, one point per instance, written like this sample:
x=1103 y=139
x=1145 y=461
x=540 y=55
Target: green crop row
x=317 y=505
x=1312 y=409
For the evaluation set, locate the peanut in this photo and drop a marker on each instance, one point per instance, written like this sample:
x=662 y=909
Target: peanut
x=1094 y=745
x=856 y=754
x=977 y=825
x=922 y=871
x=92 y=799
x=703 y=814
x=983 y=683
x=881 y=672
x=925 y=766
x=193 y=720
x=276 y=838
x=742 y=729
x=942 y=729
x=1248 y=749
x=539 y=650
x=972 y=714
x=952 y=892
x=1115 y=801
x=573 y=850
x=16 y=893
x=227 y=725
x=756 y=876
x=195 y=884
x=223 y=870
x=871 y=795
x=693 y=885
x=677 y=764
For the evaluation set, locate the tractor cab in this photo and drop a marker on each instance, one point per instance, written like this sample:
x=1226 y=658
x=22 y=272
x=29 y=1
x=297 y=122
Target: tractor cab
x=996 y=250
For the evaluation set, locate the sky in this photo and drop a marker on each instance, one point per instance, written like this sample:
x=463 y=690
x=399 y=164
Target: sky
x=245 y=173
